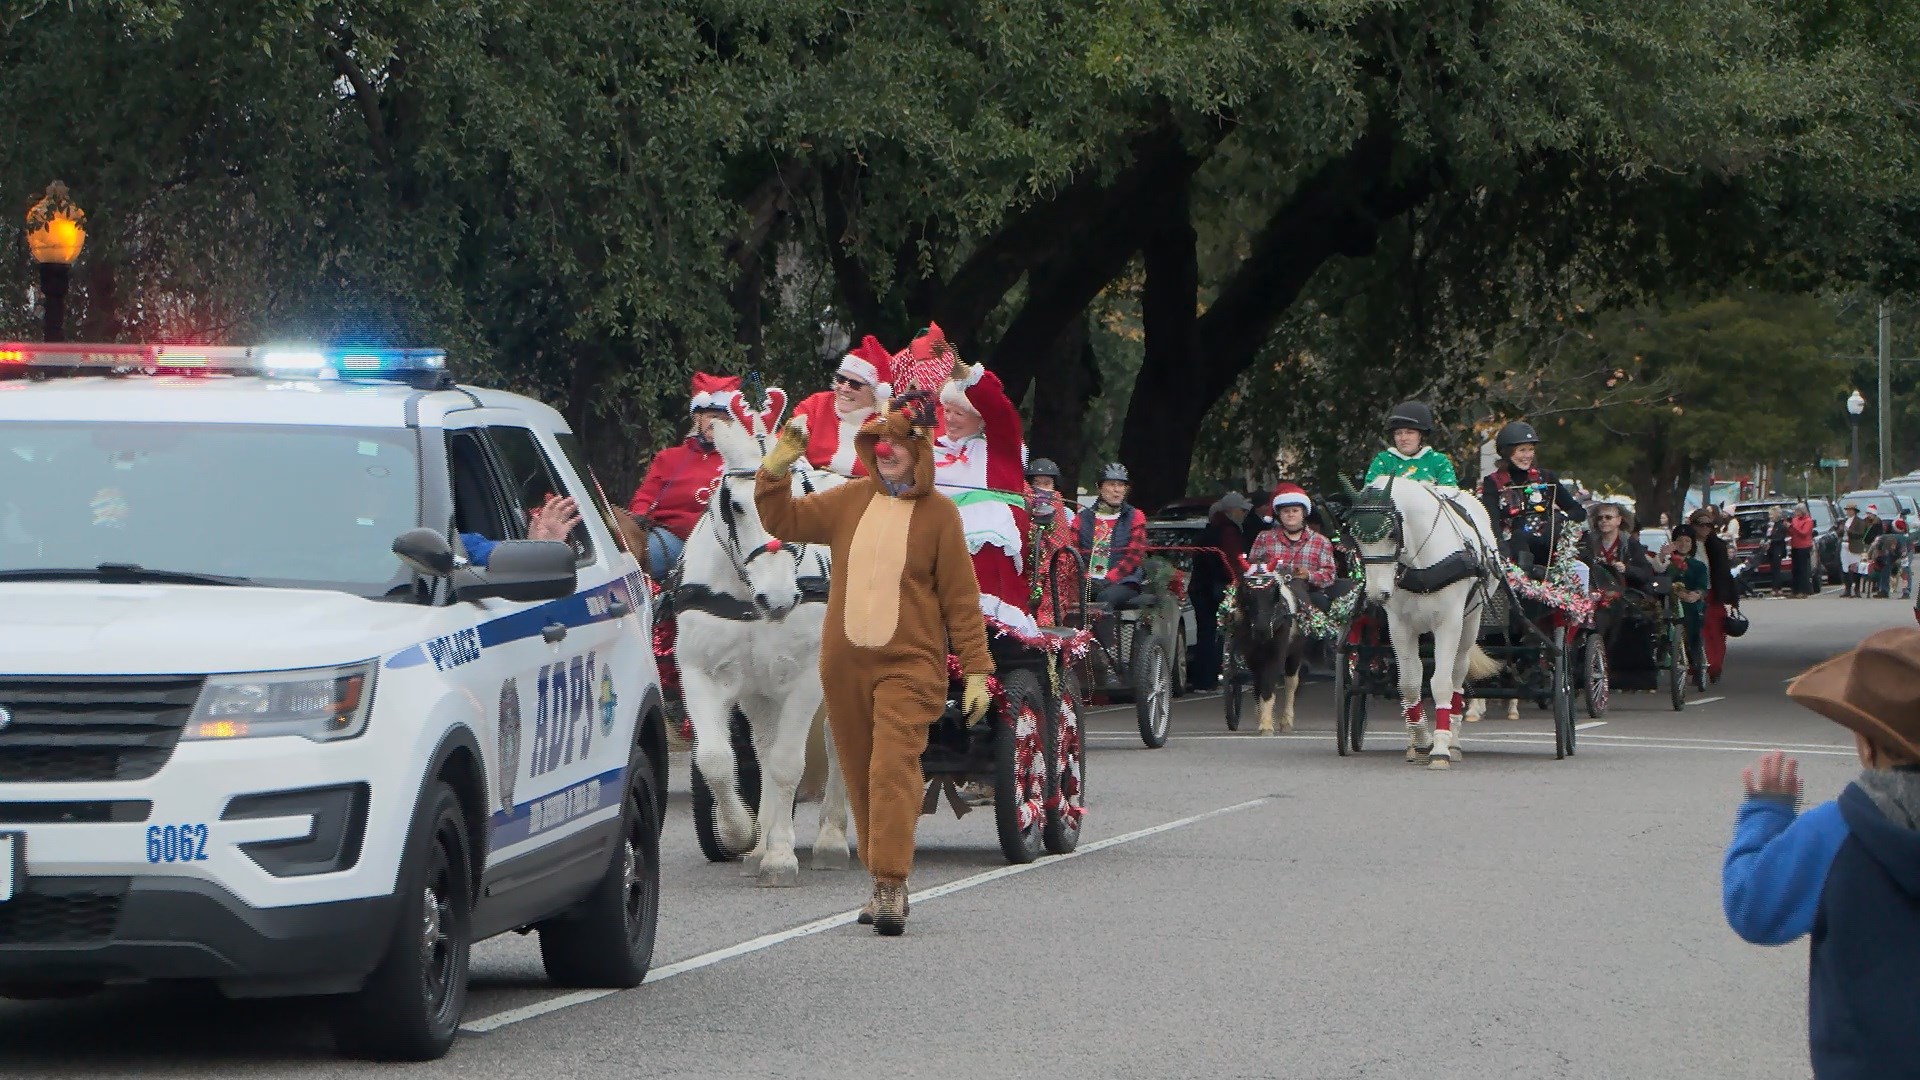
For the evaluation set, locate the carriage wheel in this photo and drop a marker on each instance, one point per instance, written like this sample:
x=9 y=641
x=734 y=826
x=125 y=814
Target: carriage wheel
x=1343 y=672
x=1020 y=769
x=1562 y=695
x=1599 y=688
x=1180 y=663
x=706 y=826
x=1152 y=689
x=1230 y=688
x=1677 y=665
x=1357 y=722
x=1067 y=765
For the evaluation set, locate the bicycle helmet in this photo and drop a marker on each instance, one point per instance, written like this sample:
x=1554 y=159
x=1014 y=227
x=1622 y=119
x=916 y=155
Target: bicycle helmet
x=1517 y=433
x=1411 y=414
x=1043 y=467
x=1113 y=470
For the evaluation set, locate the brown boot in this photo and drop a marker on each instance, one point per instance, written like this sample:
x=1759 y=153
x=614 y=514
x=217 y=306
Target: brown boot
x=865 y=917
x=889 y=906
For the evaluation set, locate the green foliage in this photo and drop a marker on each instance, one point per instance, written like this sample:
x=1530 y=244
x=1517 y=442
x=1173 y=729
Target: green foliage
x=1737 y=375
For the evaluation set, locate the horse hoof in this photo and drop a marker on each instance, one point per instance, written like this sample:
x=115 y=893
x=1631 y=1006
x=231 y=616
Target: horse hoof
x=1265 y=731
x=1439 y=761
x=1286 y=727
x=750 y=864
x=831 y=859
x=780 y=877
x=1417 y=754
x=1453 y=752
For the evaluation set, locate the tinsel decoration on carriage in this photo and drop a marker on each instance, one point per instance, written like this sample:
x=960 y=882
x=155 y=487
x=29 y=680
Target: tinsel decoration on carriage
x=1563 y=590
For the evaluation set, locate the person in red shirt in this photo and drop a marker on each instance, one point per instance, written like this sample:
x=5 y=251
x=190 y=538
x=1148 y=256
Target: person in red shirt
x=1800 y=546
x=862 y=385
x=679 y=481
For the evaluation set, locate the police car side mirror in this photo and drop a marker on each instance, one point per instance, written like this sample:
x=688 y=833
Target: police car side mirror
x=425 y=552
x=522 y=570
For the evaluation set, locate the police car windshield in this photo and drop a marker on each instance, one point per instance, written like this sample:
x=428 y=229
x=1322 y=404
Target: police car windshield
x=294 y=507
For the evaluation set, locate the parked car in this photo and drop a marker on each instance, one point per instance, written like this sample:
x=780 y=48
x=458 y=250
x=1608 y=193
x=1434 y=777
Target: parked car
x=1888 y=503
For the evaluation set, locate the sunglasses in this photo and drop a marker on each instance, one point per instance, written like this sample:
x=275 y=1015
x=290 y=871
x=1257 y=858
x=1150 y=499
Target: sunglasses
x=851 y=384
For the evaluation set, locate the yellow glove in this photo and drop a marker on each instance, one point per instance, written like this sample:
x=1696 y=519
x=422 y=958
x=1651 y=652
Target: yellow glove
x=791 y=446
x=974 y=700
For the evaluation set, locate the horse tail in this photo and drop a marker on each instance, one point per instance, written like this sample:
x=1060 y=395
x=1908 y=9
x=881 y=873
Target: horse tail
x=1480 y=665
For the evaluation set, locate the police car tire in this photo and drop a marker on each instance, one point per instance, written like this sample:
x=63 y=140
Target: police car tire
x=607 y=939
x=398 y=1015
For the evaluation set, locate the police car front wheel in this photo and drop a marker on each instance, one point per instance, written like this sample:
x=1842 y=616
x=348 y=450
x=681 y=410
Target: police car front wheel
x=607 y=940
x=410 y=1007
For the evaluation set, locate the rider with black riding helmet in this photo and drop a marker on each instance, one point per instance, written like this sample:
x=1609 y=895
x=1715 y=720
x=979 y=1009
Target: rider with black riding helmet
x=1521 y=498
x=1043 y=474
x=1113 y=538
x=1409 y=426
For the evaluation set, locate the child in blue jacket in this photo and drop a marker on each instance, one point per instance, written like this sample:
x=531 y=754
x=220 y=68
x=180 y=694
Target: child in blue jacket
x=1846 y=872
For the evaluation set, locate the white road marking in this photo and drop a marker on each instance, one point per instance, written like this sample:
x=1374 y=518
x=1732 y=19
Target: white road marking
x=1590 y=725
x=1495 y=738
x=1707 y=700
x=767 y=941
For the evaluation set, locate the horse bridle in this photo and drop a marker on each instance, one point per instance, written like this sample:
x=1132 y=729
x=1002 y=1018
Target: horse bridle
x=1395 y=531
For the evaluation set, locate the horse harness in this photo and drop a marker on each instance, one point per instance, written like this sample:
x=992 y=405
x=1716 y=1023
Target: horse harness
x=1458 y=566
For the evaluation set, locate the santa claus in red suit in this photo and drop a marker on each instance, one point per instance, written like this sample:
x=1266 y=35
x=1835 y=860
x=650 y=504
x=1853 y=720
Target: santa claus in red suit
x=861 y=387
x=979 y=461
x=679 y=480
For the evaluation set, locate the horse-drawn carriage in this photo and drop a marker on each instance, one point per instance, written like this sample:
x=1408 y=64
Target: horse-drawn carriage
x=1644 y=635
x=1029 y=749
x=1480 y=626
x=1135 y=652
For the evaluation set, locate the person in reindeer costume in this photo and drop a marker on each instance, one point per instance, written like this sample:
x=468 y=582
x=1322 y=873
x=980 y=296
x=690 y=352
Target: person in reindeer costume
x=861 y=386
x=980 y=463
x=901 y=595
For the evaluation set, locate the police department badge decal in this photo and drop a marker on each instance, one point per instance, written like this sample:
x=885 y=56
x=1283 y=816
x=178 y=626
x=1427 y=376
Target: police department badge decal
x=509 y=736
x=609 y=701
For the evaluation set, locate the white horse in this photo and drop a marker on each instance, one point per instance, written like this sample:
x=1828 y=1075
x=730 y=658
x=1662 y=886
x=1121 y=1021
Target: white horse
x=750 y=609
x=1429 y=556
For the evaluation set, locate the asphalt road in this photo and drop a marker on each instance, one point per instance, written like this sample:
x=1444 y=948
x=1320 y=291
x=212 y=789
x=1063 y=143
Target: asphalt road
x=1304 y=915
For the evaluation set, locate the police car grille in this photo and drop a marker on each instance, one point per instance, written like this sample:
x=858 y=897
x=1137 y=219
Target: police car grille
x=98 y=728
x=63 y=911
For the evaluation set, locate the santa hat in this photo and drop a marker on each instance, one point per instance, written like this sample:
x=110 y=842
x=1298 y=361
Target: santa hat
x=712 y=391
x=870 y=363
x=1291 y=494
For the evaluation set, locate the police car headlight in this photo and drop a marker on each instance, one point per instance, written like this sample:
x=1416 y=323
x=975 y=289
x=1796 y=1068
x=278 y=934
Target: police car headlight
x=322 y=704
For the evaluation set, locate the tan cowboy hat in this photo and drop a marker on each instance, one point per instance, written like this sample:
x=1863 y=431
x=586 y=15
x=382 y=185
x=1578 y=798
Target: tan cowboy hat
x=1873 y=689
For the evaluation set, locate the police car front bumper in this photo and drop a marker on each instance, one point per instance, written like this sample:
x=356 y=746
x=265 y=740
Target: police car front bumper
x=107 y=930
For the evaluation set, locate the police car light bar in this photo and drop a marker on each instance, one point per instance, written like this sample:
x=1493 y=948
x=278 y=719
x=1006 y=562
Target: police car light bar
x=332 y=362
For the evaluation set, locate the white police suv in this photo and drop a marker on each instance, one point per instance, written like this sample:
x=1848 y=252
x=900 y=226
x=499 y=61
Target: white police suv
x=289 y=702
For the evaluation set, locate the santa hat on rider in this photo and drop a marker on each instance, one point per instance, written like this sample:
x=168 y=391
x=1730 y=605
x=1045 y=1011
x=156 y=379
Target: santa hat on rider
x=712 y=391
x=870 y=363
x=1291 y=494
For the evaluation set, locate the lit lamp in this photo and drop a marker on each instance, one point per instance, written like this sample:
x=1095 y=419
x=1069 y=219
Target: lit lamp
x=55 y=237
x=1856 y=404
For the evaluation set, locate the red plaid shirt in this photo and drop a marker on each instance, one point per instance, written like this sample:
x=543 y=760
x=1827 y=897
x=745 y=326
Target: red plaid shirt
x=1309 y=558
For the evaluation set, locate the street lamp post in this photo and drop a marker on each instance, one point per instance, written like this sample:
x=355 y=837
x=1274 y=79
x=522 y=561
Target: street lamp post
x=55 y=236
x=1855 y=406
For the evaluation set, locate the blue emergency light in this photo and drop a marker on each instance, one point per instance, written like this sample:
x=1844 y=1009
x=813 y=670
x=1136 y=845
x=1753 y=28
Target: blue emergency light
x=345 y=362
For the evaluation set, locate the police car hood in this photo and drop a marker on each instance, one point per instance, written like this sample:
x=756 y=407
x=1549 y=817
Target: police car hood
x=85 y=628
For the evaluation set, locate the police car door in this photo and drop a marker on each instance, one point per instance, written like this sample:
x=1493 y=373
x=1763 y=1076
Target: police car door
x=577 y=704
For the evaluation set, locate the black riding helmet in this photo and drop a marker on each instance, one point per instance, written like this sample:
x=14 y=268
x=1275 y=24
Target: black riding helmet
x=1411 y=414
x=1113 y=470
x=1043 y=467
x=1517 y=433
